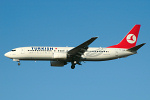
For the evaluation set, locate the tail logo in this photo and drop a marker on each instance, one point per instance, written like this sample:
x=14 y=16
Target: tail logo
x=131 y=38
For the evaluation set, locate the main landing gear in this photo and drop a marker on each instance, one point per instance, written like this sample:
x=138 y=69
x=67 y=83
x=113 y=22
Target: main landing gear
x=72 y=66
x=73 y=63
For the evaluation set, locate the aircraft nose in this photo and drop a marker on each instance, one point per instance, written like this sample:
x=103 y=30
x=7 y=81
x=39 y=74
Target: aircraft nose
x=6 y=54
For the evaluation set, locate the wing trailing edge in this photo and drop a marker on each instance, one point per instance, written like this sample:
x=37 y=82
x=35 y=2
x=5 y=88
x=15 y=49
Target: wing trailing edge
x=82 y=47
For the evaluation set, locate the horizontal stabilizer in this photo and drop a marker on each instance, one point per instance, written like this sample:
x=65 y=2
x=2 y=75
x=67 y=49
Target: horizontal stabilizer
x=136 y=47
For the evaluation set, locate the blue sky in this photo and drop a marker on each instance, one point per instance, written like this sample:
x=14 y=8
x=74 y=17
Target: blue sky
x=70 y=23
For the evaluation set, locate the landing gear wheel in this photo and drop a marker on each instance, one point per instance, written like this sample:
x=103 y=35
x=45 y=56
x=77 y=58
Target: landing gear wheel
x=72 y=66
x=18 y=63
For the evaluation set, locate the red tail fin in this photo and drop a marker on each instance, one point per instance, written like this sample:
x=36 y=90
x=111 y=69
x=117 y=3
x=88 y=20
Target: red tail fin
x=129 y=40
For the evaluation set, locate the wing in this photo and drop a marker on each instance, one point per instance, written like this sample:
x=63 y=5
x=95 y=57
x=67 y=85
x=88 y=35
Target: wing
x=78 y=51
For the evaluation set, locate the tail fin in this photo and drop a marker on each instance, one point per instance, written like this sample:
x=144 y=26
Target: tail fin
x=129 y=40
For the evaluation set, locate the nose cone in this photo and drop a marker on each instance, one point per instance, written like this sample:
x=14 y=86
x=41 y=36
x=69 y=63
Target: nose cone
x=7 y=54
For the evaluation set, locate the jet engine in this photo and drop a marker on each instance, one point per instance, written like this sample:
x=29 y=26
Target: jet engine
x=60 y=56
x=58 y=63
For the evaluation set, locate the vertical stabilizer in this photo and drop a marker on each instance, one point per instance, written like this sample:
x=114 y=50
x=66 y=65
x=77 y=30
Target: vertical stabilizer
x=129 y=40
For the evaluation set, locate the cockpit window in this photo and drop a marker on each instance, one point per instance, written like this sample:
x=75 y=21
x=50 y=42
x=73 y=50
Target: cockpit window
x=13 y=50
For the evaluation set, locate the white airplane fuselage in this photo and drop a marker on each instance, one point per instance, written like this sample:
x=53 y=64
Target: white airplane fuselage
x=60 y=53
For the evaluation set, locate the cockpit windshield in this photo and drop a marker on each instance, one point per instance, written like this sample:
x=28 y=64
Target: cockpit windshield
x=13 y=50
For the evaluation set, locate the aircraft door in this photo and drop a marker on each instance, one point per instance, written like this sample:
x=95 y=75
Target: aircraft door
x=117 y=53
x=22 y=51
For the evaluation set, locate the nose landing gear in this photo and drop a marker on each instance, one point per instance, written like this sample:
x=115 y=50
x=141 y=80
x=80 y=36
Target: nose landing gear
x=18 y=63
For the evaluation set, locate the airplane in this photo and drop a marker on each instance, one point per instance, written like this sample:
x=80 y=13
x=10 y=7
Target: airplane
x=60 y=56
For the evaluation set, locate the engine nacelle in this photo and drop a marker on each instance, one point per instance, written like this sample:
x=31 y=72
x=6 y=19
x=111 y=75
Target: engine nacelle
x=60 y=56
x=58 y=63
